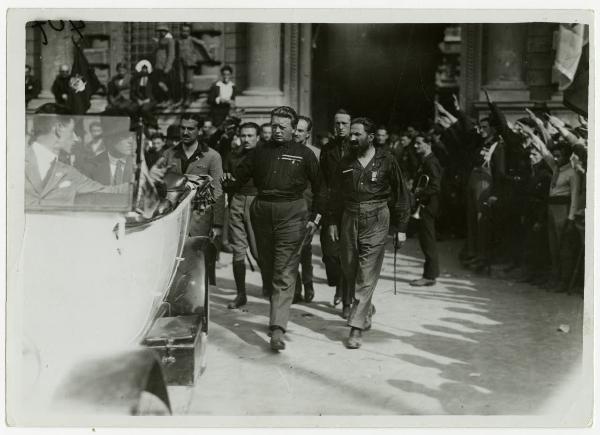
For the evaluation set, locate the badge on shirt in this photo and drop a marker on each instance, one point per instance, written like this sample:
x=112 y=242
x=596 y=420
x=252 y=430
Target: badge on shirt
x=347 y=170
x=373 y=175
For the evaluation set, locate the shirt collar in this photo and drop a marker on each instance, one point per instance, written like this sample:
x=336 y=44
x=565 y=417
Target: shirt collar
x=44 y=157
x=180 y=152
x=113 y=160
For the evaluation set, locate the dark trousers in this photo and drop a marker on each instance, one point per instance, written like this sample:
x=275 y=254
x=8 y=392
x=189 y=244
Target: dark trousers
x=333 y=266
x=364 y=230
x=307 y=269
x=478 y=191
x=431 y=269
x=279 y=227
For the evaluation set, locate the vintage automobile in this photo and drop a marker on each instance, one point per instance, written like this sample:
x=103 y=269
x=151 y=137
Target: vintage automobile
x=111 y=302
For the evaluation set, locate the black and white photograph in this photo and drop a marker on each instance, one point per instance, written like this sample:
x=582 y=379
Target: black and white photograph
x=293 y=220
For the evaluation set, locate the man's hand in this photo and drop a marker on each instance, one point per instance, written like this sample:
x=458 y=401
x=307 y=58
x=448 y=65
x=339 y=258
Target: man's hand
x=157 y=173
x=333 y=233
x=400 y=238
x=216 y=232
x=556 y=122
x=456 y=102
x=311 y=227
x=227 y=178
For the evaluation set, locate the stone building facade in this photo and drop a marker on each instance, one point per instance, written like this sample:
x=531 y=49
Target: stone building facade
x=276 y=64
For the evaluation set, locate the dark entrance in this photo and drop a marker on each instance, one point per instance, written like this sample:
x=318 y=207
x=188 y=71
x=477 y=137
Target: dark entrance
x=383 y=71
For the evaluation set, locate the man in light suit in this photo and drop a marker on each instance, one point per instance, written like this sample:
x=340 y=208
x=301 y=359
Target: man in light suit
x=49 y=181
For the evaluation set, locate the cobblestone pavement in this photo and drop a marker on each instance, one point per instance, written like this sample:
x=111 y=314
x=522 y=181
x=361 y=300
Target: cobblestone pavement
x=468 y=345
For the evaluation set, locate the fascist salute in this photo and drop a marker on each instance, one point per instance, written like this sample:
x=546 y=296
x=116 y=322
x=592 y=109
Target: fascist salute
x=370 y=199
x=282 y=170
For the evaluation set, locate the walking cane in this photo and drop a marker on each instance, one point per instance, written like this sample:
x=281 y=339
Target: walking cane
x=395 y=256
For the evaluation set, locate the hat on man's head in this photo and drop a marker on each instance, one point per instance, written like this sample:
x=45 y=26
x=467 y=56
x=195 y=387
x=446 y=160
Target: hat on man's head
x=143 y=63
x=162 y=26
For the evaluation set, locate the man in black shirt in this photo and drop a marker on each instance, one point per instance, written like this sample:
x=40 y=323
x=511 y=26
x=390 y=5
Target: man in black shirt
x=331 y=154
x=241 y=236
x=369 y=196
x=426 y=195
x=281 y=170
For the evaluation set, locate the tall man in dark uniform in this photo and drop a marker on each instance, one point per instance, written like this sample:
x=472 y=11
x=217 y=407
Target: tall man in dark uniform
x=281 y=170
x=328 y=162
x=426 y=196
x=370 y=199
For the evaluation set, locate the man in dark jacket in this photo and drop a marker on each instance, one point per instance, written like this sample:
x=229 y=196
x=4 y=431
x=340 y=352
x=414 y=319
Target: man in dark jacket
x=241 y=235
x=427 y=198
x=282 y=170
x=330 y=158
x=370 y=199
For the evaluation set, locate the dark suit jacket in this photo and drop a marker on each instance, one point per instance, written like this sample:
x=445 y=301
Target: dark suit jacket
x=99 y=169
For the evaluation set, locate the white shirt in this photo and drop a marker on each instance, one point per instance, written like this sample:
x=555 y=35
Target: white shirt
x=45 y=158
x=225 y=91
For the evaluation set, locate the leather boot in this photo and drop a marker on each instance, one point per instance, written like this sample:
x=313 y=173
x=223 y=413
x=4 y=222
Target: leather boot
x=338 y=293
x=239 y=275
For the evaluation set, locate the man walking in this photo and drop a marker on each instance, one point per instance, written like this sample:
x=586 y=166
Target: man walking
x=370 y=198
x=302 y=136
x=328 y=162
x=241 y=236
x=426 y=195
x=281 y=170
x=191 y=157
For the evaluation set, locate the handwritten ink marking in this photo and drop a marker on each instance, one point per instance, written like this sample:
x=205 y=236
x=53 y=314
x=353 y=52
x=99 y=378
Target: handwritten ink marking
x=59 y=26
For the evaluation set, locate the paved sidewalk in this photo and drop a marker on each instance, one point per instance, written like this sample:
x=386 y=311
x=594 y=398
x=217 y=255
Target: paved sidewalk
x=468 y=345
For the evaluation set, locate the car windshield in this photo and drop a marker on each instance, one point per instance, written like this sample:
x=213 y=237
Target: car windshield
x=79 y=163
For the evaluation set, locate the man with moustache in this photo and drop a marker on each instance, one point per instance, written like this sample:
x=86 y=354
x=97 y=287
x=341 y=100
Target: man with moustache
x=281 y=169
x=427 y=198
x=328 y=163
x=191 y=157
x=241 y=236
x=370 y=199
x=302 y=136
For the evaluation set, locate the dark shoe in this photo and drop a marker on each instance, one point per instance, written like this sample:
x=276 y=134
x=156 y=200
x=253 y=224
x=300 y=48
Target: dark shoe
x=309 y=292
x=277 y=342
x=370 y=318
x=346 y=312
x=239 y=301
x=337 y=300
x=423 y=282
x=355 y=339
x=297 y=298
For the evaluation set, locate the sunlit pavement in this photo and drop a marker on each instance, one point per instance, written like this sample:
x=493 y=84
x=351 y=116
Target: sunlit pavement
x=468 y=345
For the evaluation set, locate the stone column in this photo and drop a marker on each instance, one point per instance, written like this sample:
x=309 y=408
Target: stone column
x=305 y=62
x=264 y=59
x=58 y=51
x=505 y=51
x=264 y=80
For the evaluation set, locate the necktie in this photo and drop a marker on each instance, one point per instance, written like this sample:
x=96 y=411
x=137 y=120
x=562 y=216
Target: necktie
x=118 y=177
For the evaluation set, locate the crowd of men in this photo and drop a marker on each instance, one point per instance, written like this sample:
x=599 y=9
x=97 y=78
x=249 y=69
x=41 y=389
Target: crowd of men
x=515 y=192
x=161 y=80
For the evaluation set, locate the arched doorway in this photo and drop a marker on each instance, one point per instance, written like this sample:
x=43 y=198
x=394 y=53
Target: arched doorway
x=384 y=71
